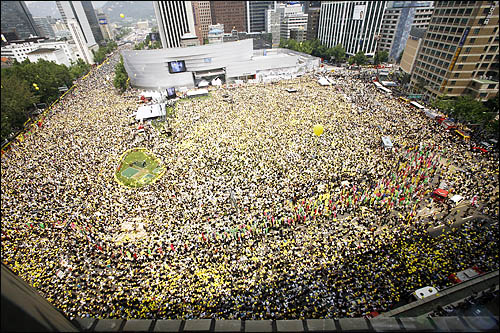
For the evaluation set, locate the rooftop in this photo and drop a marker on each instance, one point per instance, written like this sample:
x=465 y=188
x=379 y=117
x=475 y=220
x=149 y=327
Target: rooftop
x=42 y=50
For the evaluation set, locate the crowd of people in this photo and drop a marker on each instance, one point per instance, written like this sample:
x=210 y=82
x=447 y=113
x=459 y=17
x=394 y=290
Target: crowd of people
x=256 y=217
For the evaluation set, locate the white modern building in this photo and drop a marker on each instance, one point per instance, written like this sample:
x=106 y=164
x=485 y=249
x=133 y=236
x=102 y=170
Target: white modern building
x=353 y=24
x=20 y=51
x=84 y=50
x=50 y=54
x=175 y=23
x=229 y=61
x=399 y=18
x=73 y=10
x=293 y=22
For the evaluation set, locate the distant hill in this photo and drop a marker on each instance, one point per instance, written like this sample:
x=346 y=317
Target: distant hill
x=43 y=8
x=133 y=10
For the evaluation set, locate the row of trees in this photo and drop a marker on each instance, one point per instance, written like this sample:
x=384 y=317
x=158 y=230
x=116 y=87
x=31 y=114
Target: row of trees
x=467 y=110
x=148 y=44
x=103 y=51
x=26 y=83
x=121 y=77
x=336 y=53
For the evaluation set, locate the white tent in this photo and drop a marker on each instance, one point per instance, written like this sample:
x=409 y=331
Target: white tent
x=203 y=83
x=197 y=93
x=217 y=82
x=150 y=111
x=386 y=141
x=324 y=82
x=457 y=198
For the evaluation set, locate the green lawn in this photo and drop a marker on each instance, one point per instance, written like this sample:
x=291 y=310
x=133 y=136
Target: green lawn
x=144 y=175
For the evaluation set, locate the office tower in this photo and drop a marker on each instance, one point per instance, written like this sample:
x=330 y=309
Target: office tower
x=104 y=25
x=85 y=18
x=79 y=39
x=459 y=53
x=230 y=13
x=312 y=9
x=399 y=18
x=293 y=22
x=256 y=14
x=44 y=27
x=175 y=23
x=353 y=24
x=411 y=50
x=16 y=18
x=273 y=26
x=202 y=19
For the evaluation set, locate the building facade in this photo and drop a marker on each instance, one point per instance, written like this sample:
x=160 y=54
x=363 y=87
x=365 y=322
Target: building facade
x=398 y=20
x=89 y=11
x=411 y=50
x=84 y=51
x=44 y=27
x=459 y=52
x=312 y=23
x=293 y=22
x=175 y=22
x=107 y=34
x=256 y=14
x=49 y=54
x=16 y=18
x=202 y=19
x=353 y=24
x=230 y=13
x=20 y=51
x=76 y=10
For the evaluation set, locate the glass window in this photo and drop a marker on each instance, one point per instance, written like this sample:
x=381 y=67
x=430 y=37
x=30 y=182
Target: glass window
x=460 y=67
x=456 y=75
x=476 y=31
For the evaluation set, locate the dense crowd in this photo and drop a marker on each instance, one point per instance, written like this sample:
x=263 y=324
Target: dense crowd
x=255 y=217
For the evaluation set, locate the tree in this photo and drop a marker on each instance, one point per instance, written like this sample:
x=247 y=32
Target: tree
x=350 y=61
x=360 y=58
x=121 y=76
x=380 y=57
x=17 y=98
x=338 y=53
x=78 y=69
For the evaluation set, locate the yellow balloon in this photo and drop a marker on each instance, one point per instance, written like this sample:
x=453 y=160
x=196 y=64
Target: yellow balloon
x=122 y=16
x=34 y=84
x=318 y=130
x=37 y=88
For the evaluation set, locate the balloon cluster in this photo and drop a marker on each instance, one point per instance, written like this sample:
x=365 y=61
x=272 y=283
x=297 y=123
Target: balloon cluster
x=36 y=86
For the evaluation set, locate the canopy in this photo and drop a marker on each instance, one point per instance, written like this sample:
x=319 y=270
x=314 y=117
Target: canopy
x=203 y=83
x=216 y=82
x=324 y=82
x=196 y=93
x=386 y=141
x=417 y=105
x=456 y=198
x=150 y=111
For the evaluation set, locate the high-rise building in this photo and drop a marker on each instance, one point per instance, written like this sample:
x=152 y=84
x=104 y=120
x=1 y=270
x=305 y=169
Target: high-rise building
x=293 y=22
x=104 y=25
x=459 y=53
x=312 y=9
x=353 y=24
x=79 y=39
x=202 y=19
x=175 y=23
x=399 y=18
x=16 y=18
x=83 y=13
x=44 y=27
x=411 y=50
x=273 y=26
x=256 y=14
x=230 y=13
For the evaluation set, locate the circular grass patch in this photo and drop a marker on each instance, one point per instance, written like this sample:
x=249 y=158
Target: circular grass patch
x=138 y=167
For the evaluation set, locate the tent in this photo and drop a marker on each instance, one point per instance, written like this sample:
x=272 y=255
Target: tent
x=203 y=83
x=439 y=194
x=386 y=142
x=217 y=82
x=457 y=198
x=324 y=82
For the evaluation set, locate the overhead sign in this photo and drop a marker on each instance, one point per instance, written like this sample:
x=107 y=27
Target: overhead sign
x=103 y=21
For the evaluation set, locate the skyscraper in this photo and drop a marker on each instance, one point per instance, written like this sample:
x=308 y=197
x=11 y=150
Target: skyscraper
x=399 y=18
x=175 y=22
x=44 y=27
x=256 y=14
x=202 y=19
x=230 y=13
x=83 y=13
x=17 y=18
x=312 y=9
x=354 y=24
x=79 y=39
x=459 y=53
